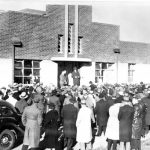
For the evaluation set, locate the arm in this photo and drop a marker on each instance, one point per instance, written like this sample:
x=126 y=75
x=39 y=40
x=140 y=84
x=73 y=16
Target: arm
x=24 y=118
x=40 y=118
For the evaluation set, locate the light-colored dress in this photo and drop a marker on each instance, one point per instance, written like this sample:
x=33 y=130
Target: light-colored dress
x=112 y=130
x=32 y=119
x=83 y=123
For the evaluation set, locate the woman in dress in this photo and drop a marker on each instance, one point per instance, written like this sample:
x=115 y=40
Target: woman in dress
x=32 y=119
x=112 y=129
x=84 y=129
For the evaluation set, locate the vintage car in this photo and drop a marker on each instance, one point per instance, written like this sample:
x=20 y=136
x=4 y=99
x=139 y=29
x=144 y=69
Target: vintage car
x=11 y=128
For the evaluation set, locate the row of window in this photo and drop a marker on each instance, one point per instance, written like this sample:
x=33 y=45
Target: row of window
x=70 y=41
x=26 y=70
x=102 y=68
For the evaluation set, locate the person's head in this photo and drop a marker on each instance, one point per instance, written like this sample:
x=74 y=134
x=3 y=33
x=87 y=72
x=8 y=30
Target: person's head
x=126 y=96
x=36 y=98
x=85 y=93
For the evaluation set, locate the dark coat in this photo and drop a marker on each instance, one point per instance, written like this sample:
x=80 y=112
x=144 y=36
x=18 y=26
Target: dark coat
x=125 y=117
x=101 y=111
x=69 y=114
x=146 y=100
x=76 y=78
x=51 y=130
x=138 y=123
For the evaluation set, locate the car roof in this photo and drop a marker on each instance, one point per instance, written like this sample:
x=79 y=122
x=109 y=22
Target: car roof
x=2 y=102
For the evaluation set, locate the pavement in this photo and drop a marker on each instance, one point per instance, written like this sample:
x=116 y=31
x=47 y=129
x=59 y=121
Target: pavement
x=101 y=144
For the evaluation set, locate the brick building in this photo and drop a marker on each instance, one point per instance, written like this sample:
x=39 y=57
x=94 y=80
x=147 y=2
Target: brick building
x=63 y=37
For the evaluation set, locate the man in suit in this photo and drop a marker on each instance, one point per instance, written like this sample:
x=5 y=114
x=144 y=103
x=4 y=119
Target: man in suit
x=146 y=100
x=101 y=112
x=76 y=76
x=69 y=114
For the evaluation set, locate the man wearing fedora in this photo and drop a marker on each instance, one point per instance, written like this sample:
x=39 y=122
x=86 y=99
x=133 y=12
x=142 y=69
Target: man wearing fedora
x=69 y=115
x=22 y=103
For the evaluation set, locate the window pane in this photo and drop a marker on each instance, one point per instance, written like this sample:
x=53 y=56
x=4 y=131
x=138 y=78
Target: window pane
x=18 y=63
x=27 y=72
x=18 y=72
x=98 y=65
x=97 y=73
x=18 y=80
x=36 y=64
x=36 y=72
x=104 y=65
x=28 y=63
x=27 y=80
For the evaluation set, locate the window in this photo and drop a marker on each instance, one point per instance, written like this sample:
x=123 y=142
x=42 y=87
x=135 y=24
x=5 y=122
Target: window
x=70 y=37
x=101 y=69
x=80 y=44
x=60 y=42
x=26 y=69
x=131 y=69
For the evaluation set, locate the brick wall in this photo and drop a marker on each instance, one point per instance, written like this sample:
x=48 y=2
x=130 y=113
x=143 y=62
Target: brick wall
x=39 y=35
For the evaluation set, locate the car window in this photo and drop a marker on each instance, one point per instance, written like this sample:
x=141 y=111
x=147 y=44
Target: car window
x=5 y=111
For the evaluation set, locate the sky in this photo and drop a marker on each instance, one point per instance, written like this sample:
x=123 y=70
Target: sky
x=132 y=16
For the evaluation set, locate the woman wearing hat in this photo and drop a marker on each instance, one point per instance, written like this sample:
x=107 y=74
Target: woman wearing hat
x=32 y=119
x=83 y=123
x=22 y=103
x=51 y=128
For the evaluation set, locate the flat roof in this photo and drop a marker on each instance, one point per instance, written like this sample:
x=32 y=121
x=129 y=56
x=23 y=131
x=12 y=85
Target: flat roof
x=71 y=59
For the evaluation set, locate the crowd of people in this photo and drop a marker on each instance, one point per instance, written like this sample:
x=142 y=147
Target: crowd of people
x=61 y=117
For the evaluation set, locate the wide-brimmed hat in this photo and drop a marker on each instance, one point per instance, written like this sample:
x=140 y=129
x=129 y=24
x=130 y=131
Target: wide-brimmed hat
x=15 y=85
x=23 y=95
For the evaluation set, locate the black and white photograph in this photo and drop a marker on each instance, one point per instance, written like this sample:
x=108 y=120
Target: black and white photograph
x=74 y=75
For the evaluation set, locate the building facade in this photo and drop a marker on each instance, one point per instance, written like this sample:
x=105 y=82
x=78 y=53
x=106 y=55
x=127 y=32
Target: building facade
x=65 y=36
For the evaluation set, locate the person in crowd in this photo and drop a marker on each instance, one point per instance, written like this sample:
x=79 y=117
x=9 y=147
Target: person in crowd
x=92 y=86
x=51 y=129
x=42 y=102
x=55 y=100
x=22 y=103
x=76 y=76
x=69 y=115
x=90 y=101
x=63 y=79
x=32 y=119
x=83 y=124
x=146 y=100
x=112 y=130
x=5 y=93
x=101 y=112
x=125 y=117
x=16 y=92
x=11 y=99
x=138 y=123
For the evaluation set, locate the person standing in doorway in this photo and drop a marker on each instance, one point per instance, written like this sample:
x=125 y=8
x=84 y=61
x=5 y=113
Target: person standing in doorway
x=63 y=79
x=76 y=76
